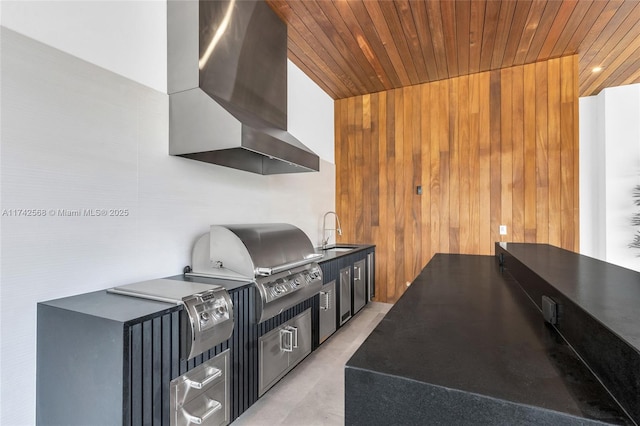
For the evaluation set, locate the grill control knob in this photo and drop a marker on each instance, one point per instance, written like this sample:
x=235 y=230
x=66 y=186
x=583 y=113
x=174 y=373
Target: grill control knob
x=204 y=316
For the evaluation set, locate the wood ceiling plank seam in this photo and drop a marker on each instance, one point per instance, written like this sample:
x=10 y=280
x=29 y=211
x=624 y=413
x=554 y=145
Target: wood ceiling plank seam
x=364 y=43
x=586 y=24
x=610 y=32
x=449 y=24
x=634 y=76
x=601 y=22
x=347 y=45
x=615 y=53
x=505 y=19
x=475 y=34
x=419 y=14
x=410 y=31
x=573 y=23
x=515 y=33
x=463 y=29
x=617 y=59
x=390 y=14
x=343 y=70
x=322 y=28
x=372 y=35
x=627 y=68
x=559 y=25
x=434 y=17
x=492 y=12
x=343 y=84
x=531 y=24
x=384 y=33
x=542 y=30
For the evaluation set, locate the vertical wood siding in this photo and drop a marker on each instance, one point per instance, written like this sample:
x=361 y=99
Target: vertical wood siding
x=488 y=149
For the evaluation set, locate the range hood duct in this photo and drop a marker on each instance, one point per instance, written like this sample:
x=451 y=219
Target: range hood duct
x=227 y=83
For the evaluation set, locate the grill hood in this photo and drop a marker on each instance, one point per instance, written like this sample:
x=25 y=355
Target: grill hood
x=227 y=84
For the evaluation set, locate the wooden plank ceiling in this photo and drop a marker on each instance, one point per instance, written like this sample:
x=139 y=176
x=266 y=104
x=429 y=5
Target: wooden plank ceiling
x=355 y=47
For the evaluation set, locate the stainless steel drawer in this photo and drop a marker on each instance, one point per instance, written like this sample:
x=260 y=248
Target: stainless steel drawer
x=208 y=408
x=202 y=396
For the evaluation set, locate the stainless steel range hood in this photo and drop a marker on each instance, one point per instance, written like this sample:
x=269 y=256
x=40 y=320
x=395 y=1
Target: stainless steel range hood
x=227 y=83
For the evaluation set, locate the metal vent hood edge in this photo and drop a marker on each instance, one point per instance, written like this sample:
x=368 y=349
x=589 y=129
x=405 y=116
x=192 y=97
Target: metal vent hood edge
x=228 y=107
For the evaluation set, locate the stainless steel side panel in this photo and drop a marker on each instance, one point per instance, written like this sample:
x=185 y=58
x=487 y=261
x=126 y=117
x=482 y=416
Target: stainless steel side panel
x=371 y=288
x=327 y=310
x=359 y=285
x=345 y=295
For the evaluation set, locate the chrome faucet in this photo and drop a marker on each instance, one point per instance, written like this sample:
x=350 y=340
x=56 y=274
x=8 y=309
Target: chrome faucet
x=325 y=241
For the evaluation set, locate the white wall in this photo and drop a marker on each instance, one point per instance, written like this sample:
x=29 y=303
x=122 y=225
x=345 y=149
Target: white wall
x=77 y=136
x=127 y=37
x=609 y=170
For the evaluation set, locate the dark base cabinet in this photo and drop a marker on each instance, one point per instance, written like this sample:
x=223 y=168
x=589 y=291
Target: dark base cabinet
x=352 y=274
x=109 y=359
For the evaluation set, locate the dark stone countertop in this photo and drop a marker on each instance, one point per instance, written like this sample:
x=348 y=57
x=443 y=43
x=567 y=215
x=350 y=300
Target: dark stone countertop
x=465 y=345
x=124 y=309
x=608 y=292
x=113 y=307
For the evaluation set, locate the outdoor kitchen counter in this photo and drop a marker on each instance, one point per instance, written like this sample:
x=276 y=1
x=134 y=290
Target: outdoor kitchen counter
x=330 y=253
x=465 y=345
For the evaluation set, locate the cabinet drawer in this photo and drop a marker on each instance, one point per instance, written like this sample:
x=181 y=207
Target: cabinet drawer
x=202 y=396
x=208 y=408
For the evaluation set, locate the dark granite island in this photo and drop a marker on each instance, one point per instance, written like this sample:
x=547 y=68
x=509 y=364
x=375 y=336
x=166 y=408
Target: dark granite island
x=465 y=345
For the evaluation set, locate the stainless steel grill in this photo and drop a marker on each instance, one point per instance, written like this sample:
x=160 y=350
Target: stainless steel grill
x=279 y=258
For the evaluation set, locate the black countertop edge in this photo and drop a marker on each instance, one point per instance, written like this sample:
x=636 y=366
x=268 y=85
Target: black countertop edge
x=447 y=404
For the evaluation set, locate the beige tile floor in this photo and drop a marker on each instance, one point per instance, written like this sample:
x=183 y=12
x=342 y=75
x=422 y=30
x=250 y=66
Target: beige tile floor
x=313 y=392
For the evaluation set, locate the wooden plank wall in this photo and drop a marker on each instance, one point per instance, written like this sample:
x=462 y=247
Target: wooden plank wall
x=489 y=149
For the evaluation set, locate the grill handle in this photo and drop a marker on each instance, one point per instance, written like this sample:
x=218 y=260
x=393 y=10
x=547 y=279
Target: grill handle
x=265 y=272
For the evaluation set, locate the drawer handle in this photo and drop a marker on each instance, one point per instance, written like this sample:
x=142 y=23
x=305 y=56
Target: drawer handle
x=286 y=340
x=199 y=385
x=215 y=406
x=324 y=297
x=295 y=335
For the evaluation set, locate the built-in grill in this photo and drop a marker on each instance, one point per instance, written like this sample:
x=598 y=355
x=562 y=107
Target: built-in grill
x=278 y=257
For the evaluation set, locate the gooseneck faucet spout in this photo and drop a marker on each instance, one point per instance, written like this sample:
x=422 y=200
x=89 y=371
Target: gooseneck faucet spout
x=338 y=229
